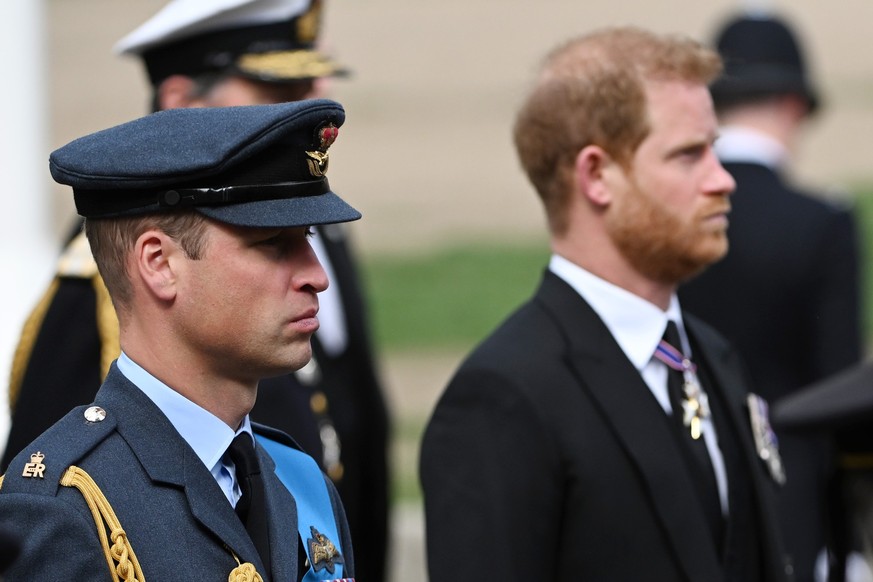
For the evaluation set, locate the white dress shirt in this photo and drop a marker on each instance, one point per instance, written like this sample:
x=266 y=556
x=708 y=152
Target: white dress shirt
x=331 y=333
x=743 y=145
x=638 y=327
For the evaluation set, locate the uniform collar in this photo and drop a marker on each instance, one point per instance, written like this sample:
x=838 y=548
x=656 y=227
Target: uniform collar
x=204 y=432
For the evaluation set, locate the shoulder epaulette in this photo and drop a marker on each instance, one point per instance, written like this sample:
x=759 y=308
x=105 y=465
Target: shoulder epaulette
x=77 y=260
x=38 y=469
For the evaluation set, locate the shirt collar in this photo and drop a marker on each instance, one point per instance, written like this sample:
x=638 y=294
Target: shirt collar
x=207 y=434
x=636 y=324
x=741 y=144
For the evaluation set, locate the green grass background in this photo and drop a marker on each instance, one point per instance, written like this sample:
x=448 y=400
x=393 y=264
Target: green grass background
x=864 y=214
x=453 y=296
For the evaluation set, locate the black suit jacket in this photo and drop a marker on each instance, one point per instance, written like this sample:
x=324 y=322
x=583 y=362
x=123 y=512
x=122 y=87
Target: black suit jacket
x=787 y=296
x=60 y=367
x=548 y=457
x=787 y=293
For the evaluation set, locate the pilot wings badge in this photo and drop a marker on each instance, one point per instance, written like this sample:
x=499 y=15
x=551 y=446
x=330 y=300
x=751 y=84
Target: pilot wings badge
x=318 y=158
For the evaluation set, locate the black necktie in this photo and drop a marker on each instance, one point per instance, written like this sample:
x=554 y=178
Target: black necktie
x=251 y=507
x=694 y=450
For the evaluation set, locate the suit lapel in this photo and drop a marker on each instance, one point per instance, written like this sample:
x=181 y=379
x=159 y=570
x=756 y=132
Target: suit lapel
x=639 y=424
x=168 y=460
x=726 y=374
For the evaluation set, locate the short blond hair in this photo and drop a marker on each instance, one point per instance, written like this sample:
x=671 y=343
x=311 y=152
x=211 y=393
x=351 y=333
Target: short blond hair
x=111 y=240
x=591 y=91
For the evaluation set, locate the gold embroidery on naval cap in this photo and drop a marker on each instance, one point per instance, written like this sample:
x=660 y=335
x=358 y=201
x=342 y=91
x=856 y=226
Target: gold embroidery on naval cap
x=95 y=414
x=34 y=468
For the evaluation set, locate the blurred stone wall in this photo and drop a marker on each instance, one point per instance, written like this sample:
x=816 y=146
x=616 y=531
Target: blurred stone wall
x=426 y=151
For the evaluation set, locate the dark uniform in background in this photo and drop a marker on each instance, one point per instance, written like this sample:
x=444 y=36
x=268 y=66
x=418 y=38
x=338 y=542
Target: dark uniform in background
x=787 y=293
x=334 y=407
x=841 y=408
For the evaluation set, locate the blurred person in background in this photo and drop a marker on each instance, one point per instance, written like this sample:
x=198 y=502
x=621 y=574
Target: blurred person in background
x=214 y=53
x=601 y=433
x=787 y=293
x=840 y=407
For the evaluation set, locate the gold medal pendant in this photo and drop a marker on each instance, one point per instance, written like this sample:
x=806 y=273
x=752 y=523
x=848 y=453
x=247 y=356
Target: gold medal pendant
x=695 y=428
x=695 y=408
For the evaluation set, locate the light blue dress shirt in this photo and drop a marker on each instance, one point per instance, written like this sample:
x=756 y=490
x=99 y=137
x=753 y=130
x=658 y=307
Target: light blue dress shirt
x=207 y=434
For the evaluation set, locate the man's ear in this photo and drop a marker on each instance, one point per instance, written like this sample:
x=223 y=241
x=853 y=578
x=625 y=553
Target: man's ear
x=177 y=92
x=155 y=264
x=591 y=172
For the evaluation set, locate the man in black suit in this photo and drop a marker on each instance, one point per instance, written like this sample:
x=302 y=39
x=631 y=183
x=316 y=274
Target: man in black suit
x=787 y=293
x=218 y=54
x=601 y=433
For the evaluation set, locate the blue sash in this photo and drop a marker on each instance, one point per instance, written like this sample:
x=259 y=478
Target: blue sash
x=316 y=523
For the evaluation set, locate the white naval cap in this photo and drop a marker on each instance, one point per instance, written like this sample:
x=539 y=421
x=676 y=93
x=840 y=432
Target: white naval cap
x=270 y=40
x=185 y=18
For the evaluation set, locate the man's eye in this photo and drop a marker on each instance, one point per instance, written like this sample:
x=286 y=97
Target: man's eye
x=272 y=241
x=690 y=155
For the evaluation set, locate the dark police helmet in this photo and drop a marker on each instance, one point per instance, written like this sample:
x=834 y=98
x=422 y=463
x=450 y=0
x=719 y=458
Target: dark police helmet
x=762 y=57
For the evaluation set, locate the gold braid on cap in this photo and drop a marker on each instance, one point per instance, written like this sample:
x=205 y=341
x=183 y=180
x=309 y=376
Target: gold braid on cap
x=309 y=23
x=120 y=557
x=299 y=64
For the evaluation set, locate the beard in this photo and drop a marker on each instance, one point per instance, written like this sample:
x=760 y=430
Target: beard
x=658 y=244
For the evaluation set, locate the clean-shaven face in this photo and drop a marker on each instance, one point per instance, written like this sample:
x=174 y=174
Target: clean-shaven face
x=249 y=304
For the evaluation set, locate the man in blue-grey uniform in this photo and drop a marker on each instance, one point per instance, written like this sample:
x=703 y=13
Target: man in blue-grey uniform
x=198 y=220
x=219 y=53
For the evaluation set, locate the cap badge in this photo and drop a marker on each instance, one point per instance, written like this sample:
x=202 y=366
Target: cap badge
x=766 y=442
x=318 y=159
x=308 y=23
x=34 y=468
x=322 y=552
